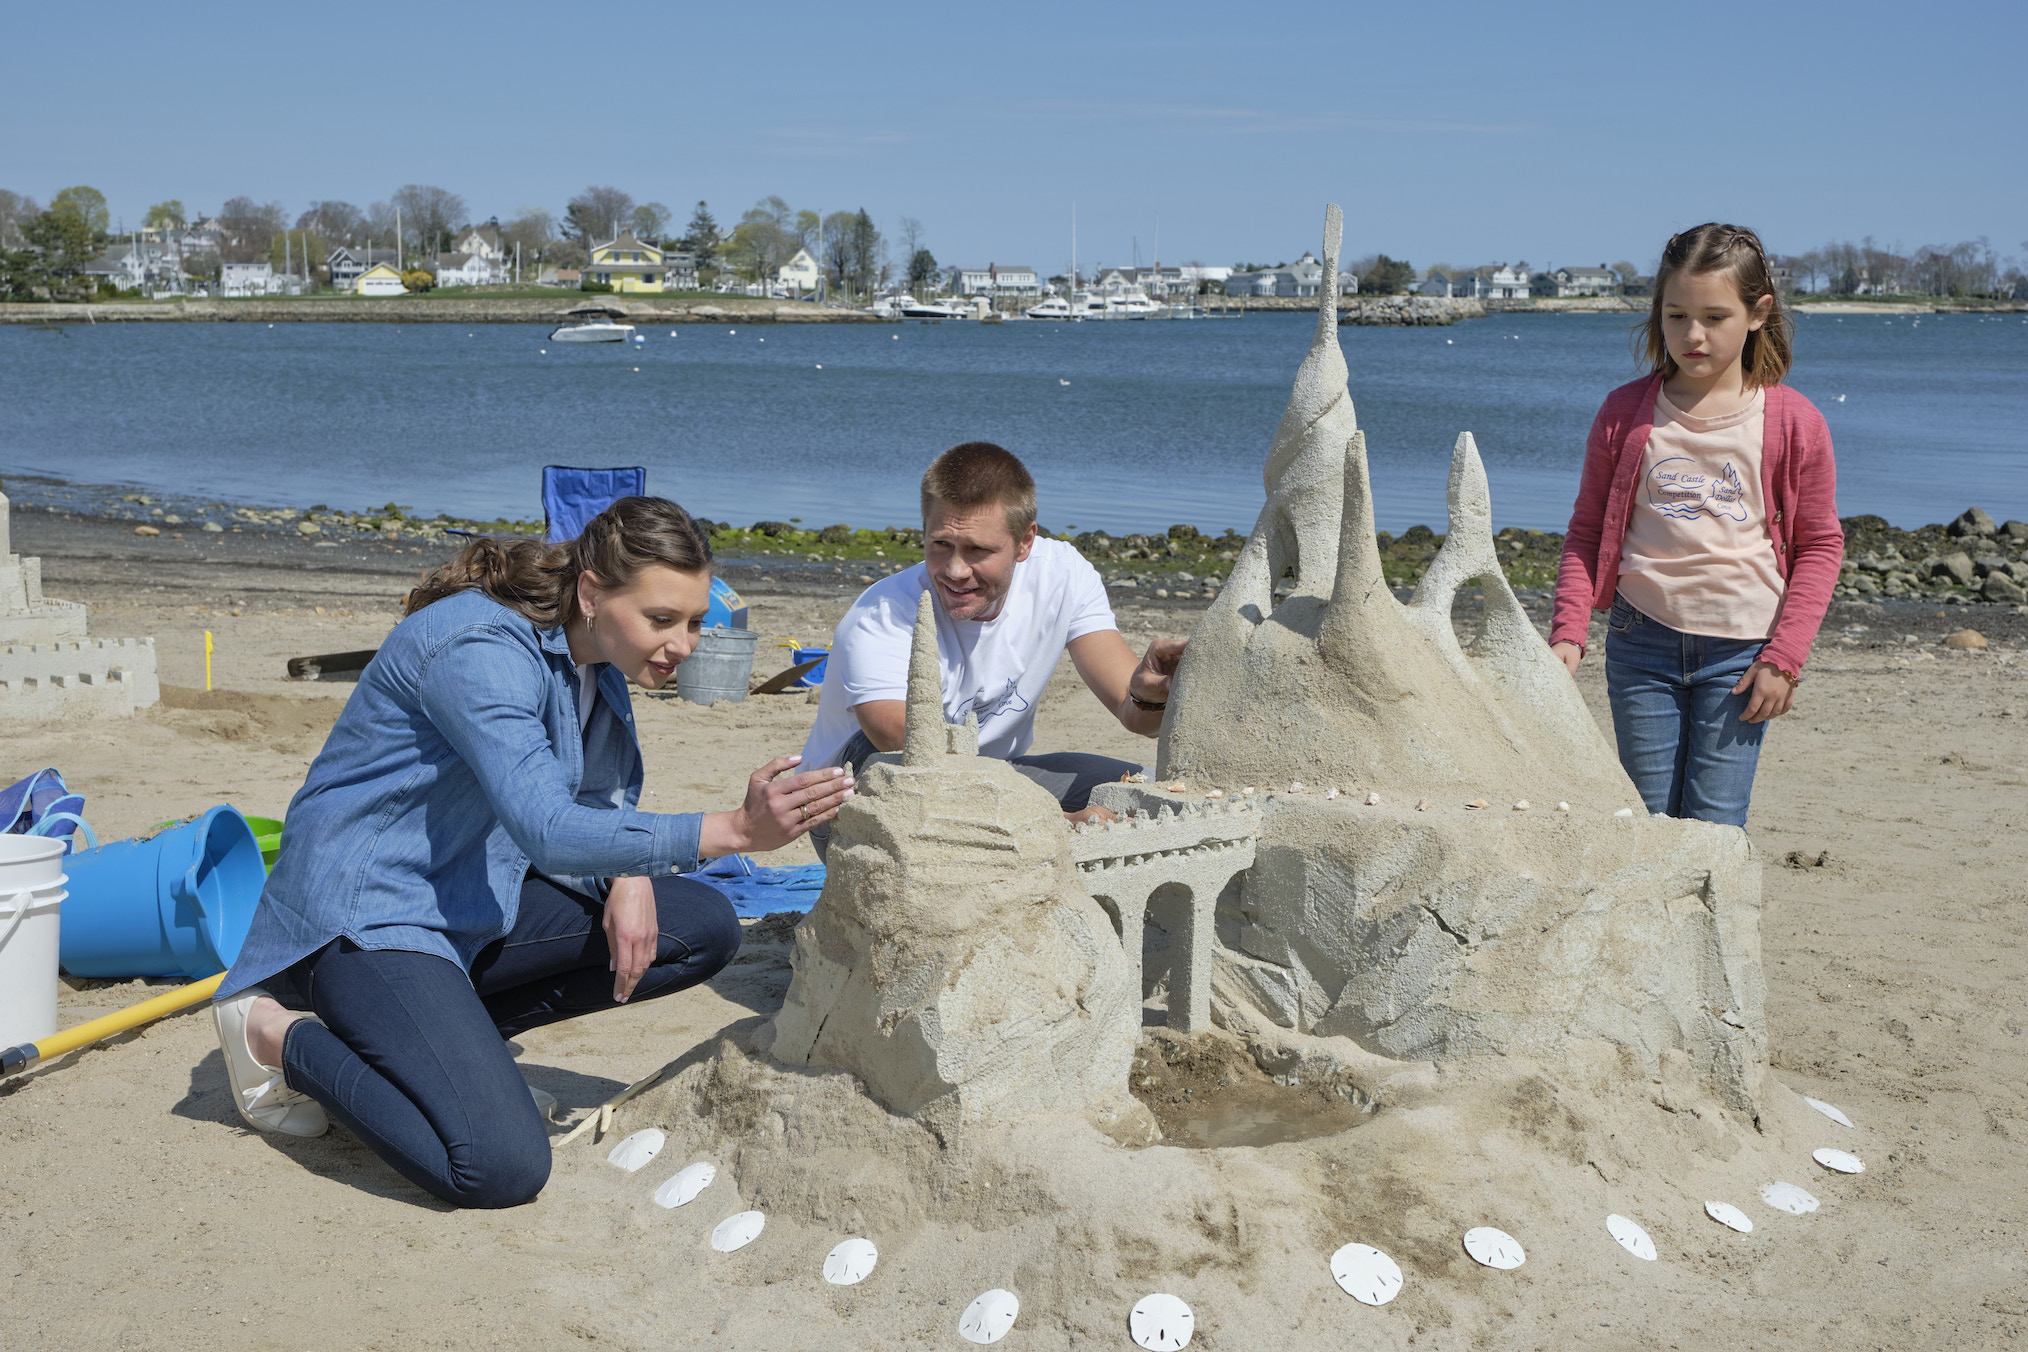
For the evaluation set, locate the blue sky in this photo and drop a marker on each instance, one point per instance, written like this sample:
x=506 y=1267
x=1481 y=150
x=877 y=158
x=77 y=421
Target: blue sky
x=1462 y=133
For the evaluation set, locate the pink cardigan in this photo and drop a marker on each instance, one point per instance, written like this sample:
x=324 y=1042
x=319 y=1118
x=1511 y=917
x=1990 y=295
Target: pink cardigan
x=1799 y=485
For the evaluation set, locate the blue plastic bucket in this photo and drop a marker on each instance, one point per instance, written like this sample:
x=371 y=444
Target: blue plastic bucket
x=177 y=904
x=814 y=677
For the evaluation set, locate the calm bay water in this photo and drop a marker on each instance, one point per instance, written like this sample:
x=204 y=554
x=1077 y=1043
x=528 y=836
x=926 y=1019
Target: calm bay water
x=1158 y=423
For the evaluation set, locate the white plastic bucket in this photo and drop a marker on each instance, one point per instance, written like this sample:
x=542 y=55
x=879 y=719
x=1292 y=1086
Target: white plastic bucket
x=31 y=893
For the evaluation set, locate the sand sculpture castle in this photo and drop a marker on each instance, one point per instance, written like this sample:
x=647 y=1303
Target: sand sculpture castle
x=48 y=667
x=1363 y=833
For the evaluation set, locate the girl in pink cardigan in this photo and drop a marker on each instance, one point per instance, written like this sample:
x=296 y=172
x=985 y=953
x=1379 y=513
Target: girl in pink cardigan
x=1707 y=525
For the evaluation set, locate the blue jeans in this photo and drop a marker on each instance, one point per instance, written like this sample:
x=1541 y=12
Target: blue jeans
x=1677 y=719
x=411 y=1053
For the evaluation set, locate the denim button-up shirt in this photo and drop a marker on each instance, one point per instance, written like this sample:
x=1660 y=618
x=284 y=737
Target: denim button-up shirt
x=456 y=767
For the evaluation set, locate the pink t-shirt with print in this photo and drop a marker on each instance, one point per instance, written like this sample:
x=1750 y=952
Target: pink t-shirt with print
x=1697 y=555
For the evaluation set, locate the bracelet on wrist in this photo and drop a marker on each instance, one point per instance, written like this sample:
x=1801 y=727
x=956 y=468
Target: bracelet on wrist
x=1149 y=705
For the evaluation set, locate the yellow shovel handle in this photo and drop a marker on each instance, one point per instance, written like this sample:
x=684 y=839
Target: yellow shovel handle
x=133 y=1016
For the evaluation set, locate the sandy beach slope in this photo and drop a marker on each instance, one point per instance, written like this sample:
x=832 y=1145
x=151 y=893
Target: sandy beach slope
x=139 y=1213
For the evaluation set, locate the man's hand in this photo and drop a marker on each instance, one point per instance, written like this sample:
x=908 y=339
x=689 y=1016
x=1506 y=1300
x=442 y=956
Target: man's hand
x=633 y=932
x=1773 y=692
x=1150 y=680
x=1108 y=667
x=1569 y=654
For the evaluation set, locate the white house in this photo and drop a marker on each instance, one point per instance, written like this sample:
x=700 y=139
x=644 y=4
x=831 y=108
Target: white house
x=140 y=264
x=800 y=275
x=1492 y=282
x=461 y=269
x=996 y=279
x=1304 y=277
x=1508 y=283
x=248 y=279
x=1197 y=277
x=481 y=241
x=1598 y=281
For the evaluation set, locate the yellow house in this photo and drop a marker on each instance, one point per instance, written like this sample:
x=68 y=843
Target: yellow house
x=626 y=264
x=380 y=280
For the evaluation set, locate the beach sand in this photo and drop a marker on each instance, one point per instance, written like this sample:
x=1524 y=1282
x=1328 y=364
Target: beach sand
x=141 y=1213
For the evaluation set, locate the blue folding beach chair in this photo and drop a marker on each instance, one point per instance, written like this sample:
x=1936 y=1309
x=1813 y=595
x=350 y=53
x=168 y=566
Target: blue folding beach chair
x=571 y=497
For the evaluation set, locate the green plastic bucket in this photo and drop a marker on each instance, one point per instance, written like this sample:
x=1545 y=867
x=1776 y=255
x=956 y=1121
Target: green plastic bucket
x=268 y=835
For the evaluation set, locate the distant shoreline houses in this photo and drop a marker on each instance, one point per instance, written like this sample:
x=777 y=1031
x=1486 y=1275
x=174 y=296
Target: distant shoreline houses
x=208 y=257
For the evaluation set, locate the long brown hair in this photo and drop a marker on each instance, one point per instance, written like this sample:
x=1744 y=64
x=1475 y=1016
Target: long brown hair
x=1734 y=249
x=540 y=580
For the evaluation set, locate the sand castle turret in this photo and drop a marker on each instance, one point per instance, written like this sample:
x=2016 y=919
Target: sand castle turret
x=48 y=667
x=956 y=964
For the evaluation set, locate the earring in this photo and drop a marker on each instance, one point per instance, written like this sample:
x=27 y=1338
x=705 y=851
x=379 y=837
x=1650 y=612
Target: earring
x=591 y=623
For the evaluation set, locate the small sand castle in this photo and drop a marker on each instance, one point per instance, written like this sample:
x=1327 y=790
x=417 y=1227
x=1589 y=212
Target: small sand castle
x=956 y=964
x=48 y=668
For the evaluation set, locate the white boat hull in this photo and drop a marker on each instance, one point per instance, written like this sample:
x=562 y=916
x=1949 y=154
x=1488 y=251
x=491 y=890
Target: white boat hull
x=592 y=333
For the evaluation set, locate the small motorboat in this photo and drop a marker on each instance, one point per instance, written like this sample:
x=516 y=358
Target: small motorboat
x=911 y=308
x=593 y=323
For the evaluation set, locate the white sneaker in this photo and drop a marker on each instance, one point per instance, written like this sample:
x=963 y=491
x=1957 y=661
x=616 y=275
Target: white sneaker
x=545 y=1103
x=259 y=1092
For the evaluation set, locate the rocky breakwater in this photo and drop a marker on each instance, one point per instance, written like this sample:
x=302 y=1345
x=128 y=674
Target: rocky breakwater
x=1971 y=559
x=1407 y=311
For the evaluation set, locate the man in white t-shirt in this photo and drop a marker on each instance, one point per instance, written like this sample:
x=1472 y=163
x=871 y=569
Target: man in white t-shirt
x=1008 y=606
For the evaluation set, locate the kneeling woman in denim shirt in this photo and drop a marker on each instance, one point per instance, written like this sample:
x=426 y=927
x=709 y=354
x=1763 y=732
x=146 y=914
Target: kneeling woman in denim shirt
x=467 y=859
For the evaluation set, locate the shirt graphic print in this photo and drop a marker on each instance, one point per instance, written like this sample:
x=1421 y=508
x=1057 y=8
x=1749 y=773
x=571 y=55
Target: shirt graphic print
x=1697 y=555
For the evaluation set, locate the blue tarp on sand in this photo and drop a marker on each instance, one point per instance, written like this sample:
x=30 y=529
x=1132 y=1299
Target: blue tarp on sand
x=757 y=890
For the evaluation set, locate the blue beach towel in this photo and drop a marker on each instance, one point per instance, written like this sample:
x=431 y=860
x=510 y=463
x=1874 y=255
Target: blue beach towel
x=756 y=890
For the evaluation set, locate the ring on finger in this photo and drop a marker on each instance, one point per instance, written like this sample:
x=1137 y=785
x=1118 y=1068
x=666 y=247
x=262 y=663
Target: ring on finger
x=805 y=810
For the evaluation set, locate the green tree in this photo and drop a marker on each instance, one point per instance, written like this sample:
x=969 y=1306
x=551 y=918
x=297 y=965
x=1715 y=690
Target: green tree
x=298 y=251
x=701 y=237
x=808 y=224
x=651 y=222
x=167 y=215
x=764 y=239
x=88 y=203
x=598 y=214
x=922 y=267
x=65 y=245
x=1388 y=276
x=868 y=253
x=835 y=243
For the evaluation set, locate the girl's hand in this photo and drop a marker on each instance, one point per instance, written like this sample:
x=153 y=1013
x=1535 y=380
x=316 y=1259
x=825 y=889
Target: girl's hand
x=776 y=810
x=1773 y=692
x=633 y=932
x=1570 y=655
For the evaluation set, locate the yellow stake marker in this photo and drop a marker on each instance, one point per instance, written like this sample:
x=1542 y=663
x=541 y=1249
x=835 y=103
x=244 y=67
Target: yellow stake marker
x=207 y=659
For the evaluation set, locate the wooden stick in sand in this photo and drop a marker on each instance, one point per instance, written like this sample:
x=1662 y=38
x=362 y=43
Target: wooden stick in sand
x=601 y=1117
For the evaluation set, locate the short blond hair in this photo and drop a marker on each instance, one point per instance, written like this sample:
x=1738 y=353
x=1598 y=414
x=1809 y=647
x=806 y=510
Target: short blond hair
x=976 y=473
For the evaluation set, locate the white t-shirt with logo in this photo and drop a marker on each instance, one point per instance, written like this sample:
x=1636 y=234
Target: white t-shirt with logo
x=995 y=668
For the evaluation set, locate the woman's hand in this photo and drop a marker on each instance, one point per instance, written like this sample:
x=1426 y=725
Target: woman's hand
x=1569 y=654
x=776 y=810
x=633 y=931
x=1773 y=692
